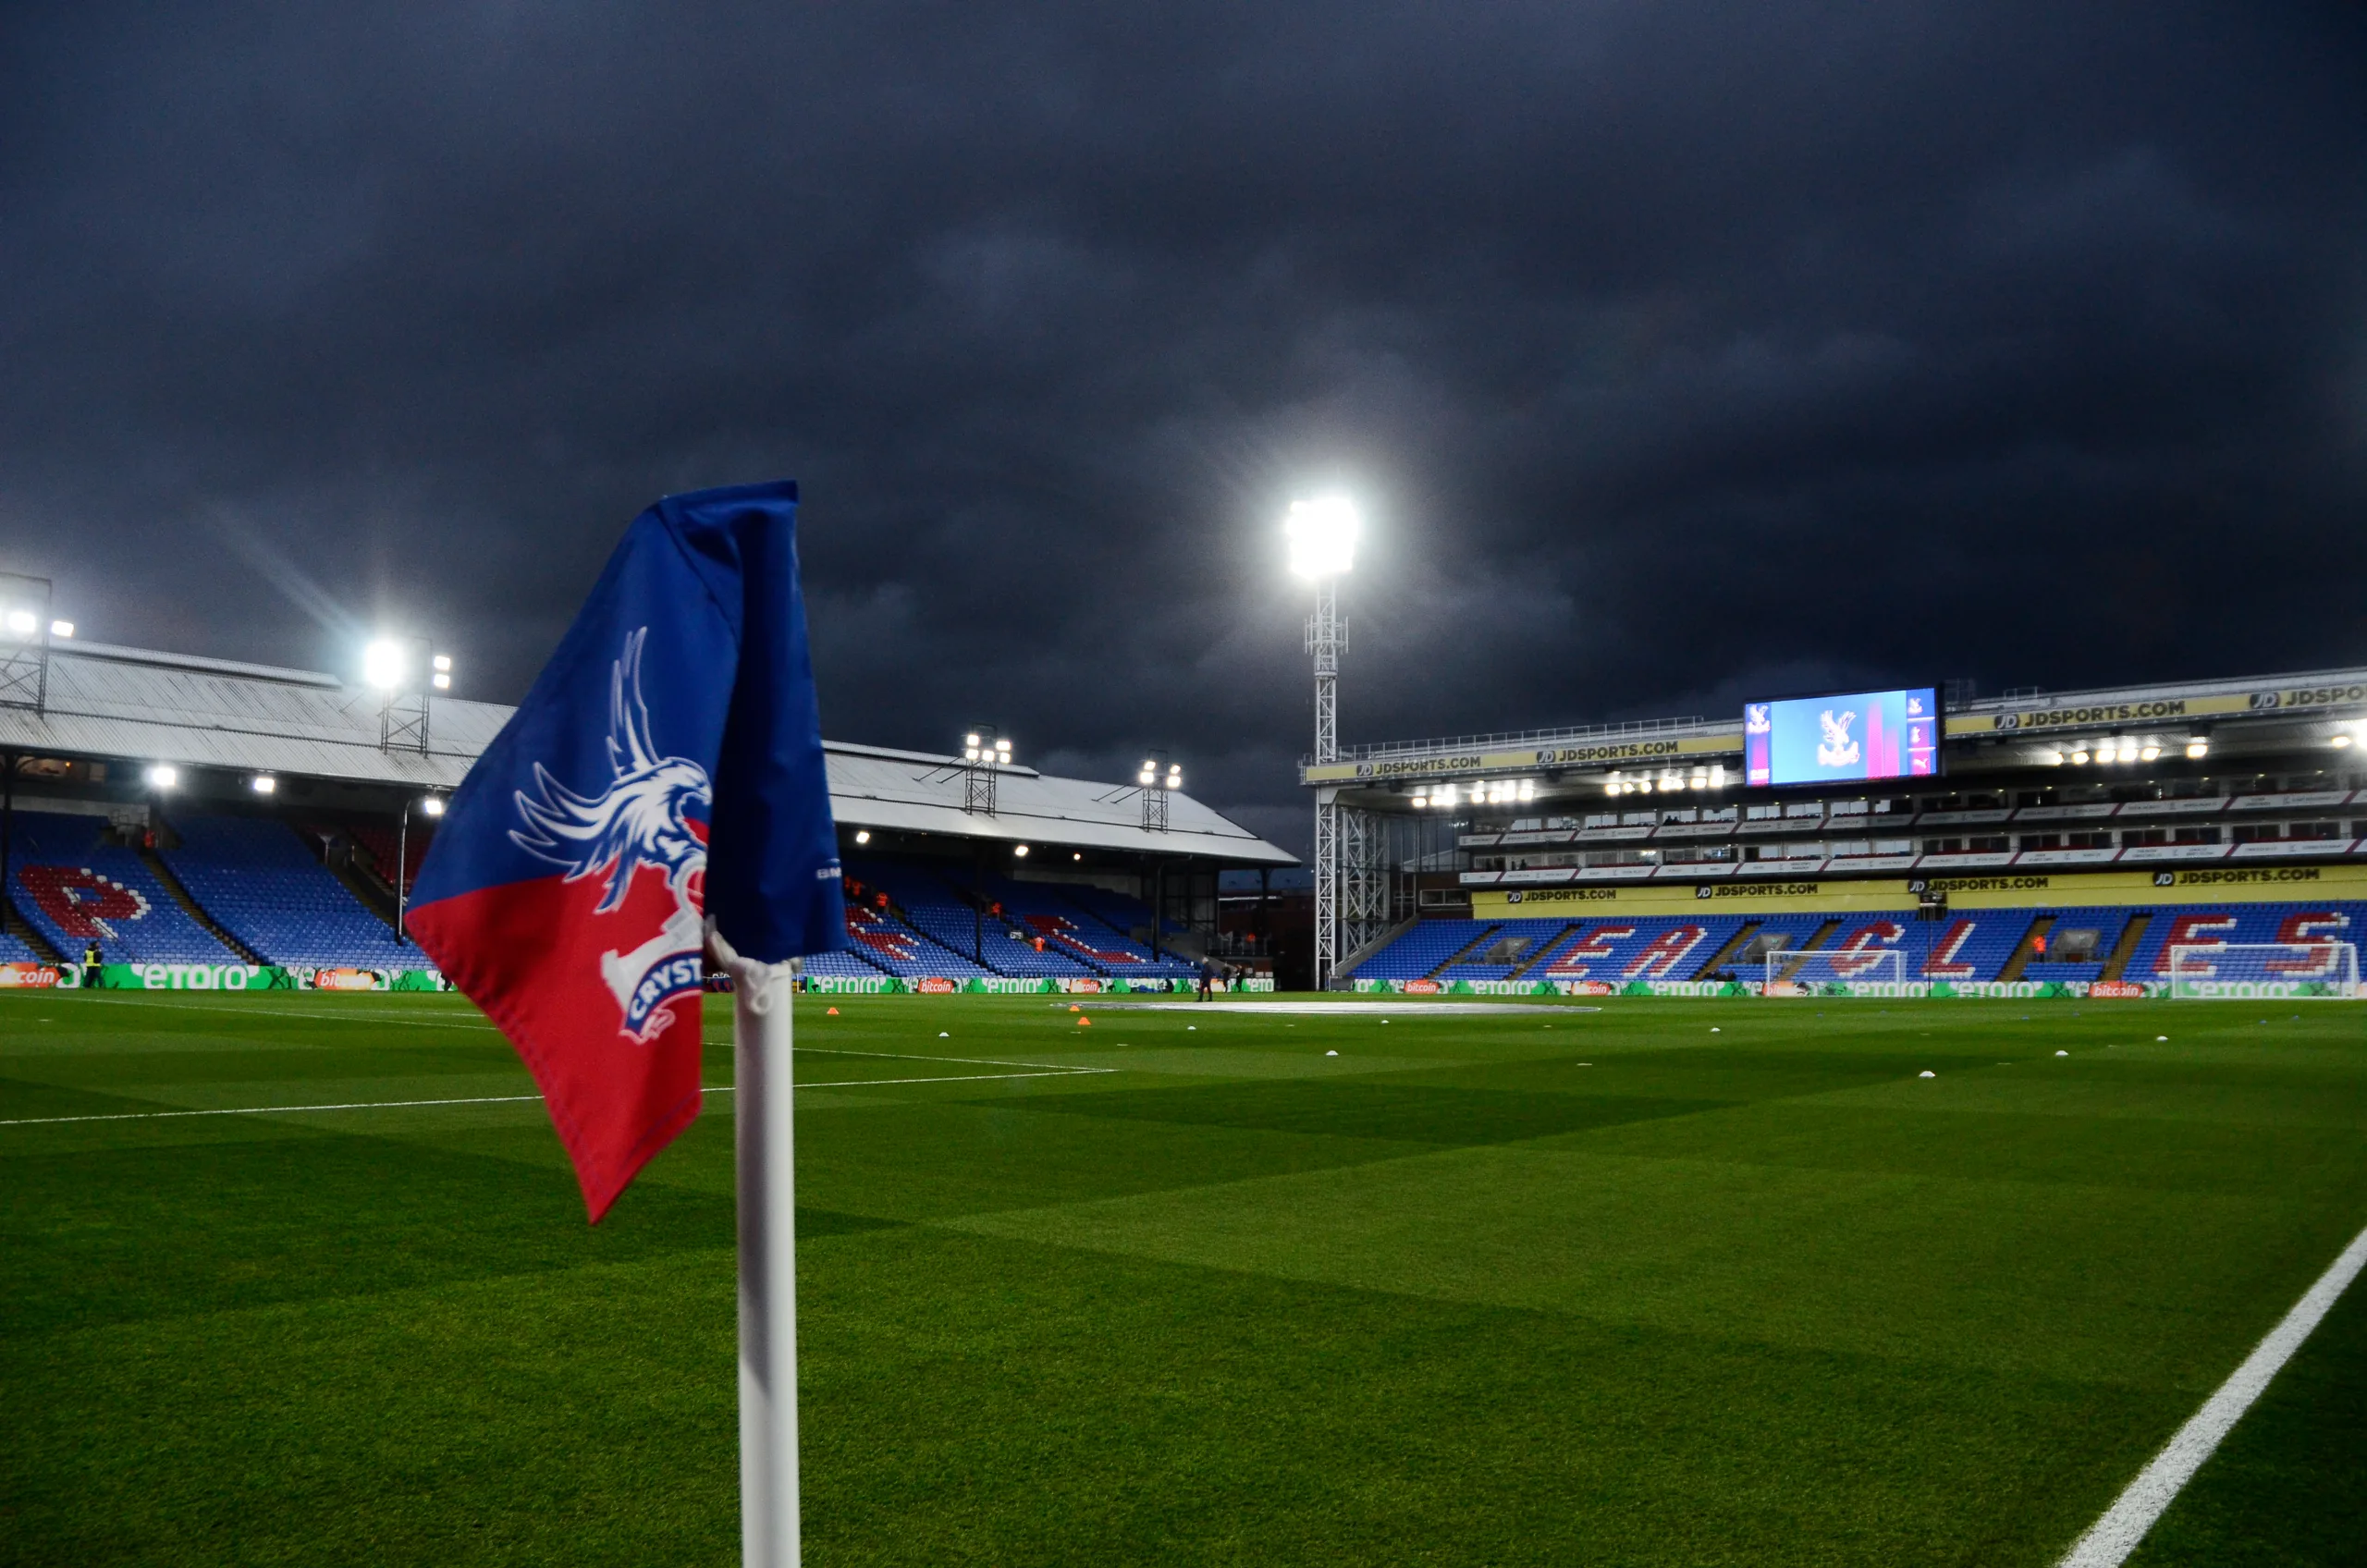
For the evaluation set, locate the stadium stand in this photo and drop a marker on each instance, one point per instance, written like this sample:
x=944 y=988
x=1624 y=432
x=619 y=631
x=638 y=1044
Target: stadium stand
x=1050 y=912
x=1414 y=955
x=888 y=945
x=257 y=880
x=2197 y=923
x=72 y=887
x=1122 y=914
x=1973 y=945
x=382 y=845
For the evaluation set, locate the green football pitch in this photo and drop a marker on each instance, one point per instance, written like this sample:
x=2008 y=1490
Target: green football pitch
x=1661 y=1283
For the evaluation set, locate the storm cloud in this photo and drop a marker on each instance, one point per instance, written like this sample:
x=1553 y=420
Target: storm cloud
x=1676 y=350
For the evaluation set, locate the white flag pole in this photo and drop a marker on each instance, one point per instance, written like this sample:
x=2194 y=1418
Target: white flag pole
x=765 y=1136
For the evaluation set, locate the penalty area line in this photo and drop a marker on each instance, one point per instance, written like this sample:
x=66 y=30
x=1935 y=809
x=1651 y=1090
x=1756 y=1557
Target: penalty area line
x=2110 y=1538
x=506 y=1099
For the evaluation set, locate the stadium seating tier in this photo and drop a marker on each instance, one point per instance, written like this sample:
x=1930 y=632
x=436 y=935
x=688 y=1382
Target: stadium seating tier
x=1968 y=946
x=73 y=888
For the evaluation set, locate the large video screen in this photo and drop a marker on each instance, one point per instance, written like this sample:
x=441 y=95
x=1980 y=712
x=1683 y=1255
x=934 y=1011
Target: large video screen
x=1855 y=735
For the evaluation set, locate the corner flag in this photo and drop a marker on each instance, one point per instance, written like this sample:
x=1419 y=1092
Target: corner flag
x=666 y=766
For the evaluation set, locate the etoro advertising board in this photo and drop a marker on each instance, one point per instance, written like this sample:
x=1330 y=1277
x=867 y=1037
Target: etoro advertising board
x=1847 y=737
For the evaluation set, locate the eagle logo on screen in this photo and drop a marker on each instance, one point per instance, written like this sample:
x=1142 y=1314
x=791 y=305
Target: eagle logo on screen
x=1836 y=749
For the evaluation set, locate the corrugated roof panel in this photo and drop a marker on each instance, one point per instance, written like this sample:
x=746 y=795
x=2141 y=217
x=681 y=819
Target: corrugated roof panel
x=123 y=704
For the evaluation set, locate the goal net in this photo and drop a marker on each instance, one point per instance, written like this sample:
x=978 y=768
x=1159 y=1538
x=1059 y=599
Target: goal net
x=2202 y=971
x=1793 y=974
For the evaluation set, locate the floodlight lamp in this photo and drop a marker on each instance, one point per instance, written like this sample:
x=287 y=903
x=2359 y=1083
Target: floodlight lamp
x=1076 y=854
x=2051 y=759
x=1322 y=535
x=2079 y=756
x=2197 y=750
x=164 y=775
x=61 y=628
x=2342 y=740
x=1175 y=779
x=863 y=835
x=1421 y=803
x=432 y=806
x=2149 y=753
x=970 y=740
x=381 y=664
x=1020 y=850
x=443 y=680
x=444 y=663
x=969 y=754
x=1529 y=788
x=1717 y=775
x=2128 y=750
x=264 y=784
x=22 y=622
x=1145 y=776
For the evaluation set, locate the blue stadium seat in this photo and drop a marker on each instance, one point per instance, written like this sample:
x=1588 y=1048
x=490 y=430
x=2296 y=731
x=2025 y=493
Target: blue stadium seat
x=71 y=888
x=260 y=883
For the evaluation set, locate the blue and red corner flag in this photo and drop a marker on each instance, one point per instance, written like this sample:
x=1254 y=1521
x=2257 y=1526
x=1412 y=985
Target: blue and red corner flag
x=666 y=766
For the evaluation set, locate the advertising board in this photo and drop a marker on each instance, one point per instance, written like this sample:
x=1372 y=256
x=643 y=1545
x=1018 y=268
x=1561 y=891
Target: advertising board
x=1843 y=738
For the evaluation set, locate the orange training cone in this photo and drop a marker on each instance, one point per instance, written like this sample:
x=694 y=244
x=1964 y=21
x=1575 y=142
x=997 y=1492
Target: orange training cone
x=1084 y=1024
x=834 y=1012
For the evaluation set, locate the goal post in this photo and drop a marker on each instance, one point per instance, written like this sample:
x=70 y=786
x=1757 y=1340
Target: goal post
x=1792 y=972
x=2301 y=970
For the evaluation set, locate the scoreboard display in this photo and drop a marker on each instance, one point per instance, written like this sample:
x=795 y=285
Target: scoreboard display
x=1846 y=737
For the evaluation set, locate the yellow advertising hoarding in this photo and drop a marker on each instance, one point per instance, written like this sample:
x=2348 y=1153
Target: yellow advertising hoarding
x=2005 y=889
x=1446 y=764
x=2164 y=711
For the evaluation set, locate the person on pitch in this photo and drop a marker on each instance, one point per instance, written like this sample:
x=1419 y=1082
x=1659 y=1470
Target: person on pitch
x=91 y=960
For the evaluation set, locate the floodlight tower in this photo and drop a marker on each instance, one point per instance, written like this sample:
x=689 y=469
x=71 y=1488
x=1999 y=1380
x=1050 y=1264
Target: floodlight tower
x=1158 y=774
x=983 y=752
x=1322 y=535
x=405 y=669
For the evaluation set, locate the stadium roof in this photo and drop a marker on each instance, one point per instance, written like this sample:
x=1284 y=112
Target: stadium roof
x=2310 y=697
x=134 y=705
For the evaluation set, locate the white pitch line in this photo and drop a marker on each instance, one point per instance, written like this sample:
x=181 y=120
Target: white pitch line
x=258 y=1111
x=513 y=1099
x=2110 y=1538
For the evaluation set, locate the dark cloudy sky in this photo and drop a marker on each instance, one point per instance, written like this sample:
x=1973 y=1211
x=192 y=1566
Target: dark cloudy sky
x=1675 y=349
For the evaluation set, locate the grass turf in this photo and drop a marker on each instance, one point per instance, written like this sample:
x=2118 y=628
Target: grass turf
x=1587 y=1286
